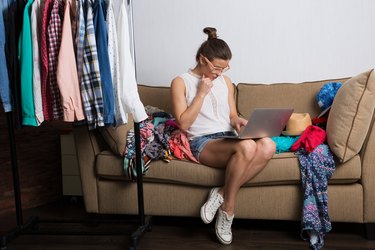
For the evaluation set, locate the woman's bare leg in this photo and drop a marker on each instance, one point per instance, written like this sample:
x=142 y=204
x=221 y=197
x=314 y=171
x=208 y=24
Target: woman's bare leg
x=243 y=160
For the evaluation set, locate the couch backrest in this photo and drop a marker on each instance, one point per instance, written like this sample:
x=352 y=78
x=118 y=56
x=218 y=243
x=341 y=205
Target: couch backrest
x=299 y=96
x=155 y=96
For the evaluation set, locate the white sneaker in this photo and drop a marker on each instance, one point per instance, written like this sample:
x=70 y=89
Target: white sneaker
x=214 y=201
x=223 y=227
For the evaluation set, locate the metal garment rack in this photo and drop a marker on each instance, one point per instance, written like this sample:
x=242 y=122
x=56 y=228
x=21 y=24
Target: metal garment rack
x=144 y=221
x=21 y=227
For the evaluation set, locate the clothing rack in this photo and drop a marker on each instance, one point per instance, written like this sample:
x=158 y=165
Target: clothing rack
x=21 y=227
x=144 y=221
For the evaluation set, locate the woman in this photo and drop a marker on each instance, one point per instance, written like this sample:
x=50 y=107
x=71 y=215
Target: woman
x=204 y=107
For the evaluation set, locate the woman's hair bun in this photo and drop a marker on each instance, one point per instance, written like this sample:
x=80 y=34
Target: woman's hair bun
x=211 y=32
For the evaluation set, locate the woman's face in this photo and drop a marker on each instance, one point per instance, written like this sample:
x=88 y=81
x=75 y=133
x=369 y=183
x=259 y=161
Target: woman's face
x=215 y=68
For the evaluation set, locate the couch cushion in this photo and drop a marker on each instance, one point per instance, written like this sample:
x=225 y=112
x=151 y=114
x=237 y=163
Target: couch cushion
x=350 y=116
x=299 y=96
x=115 y=137
x=282 y=169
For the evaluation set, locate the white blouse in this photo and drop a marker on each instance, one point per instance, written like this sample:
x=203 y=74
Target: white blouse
x=214 y=114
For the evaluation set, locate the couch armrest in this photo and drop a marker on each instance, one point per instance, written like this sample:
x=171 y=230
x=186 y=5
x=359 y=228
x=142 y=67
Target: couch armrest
x=87 y=148
x=368 y=175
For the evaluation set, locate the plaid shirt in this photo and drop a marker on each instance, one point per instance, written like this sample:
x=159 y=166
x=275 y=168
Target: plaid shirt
x=46 y=91
x=91 y=90
x=54 y=39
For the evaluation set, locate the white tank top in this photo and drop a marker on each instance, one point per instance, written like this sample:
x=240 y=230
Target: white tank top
x=214 y=114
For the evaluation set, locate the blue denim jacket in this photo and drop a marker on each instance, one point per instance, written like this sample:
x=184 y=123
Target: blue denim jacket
x=104 y=64
x=5 y=93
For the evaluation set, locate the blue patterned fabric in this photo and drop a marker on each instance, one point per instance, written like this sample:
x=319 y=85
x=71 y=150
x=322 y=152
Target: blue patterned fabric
x=316 y=169
x=327 y=93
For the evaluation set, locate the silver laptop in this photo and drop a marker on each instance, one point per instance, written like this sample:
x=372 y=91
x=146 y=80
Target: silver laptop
x=264 y=122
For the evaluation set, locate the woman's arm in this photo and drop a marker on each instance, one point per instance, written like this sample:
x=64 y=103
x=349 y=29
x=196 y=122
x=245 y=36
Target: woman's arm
x=185 y=115
x=235 y=121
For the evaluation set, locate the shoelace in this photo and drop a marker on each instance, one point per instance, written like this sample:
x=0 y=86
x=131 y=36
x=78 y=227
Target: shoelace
x=225 y=225
x=215 y=204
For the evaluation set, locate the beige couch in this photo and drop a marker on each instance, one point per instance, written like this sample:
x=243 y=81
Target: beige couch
x=179 y=188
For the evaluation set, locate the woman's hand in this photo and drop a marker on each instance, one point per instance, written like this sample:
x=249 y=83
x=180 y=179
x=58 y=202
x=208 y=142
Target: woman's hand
x=237 y=122
x=204 y=86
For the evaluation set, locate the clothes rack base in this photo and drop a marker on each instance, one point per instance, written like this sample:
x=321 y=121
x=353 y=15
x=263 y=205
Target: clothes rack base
x=144 y=221
x=19 y=229
x=21 y=226
x=30 y=225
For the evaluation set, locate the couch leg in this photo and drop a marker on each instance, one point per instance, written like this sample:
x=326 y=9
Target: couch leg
x=370 y=231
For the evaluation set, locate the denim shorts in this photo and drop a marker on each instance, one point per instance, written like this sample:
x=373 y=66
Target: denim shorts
x=197 y=144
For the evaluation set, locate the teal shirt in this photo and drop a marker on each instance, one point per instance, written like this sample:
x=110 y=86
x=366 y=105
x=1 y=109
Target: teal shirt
x=25 y=55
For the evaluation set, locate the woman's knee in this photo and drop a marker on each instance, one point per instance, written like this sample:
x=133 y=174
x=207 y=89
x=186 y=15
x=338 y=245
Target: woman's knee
x=267 y=146
x=247 y=148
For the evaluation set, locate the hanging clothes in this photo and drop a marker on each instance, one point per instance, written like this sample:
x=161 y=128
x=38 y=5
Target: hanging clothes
x=46 y=90
x=120 y=117
x=66 y=75
x=91 y=90
x=104 y=65
x=13 y=20
x=26 y=62
x=75 y=72
x=128 y=91
x=5 y=93
x=35 y=31
x=54 y=41
x=80 y=37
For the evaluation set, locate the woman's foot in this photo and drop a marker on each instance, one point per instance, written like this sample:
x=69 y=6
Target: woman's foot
x=224 y=227
x=209 y=209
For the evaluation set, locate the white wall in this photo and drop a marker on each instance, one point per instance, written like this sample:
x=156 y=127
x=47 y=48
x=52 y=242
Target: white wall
x=271 y=40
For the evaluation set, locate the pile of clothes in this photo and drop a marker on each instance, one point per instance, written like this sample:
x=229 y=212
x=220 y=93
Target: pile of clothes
x=160 y=140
